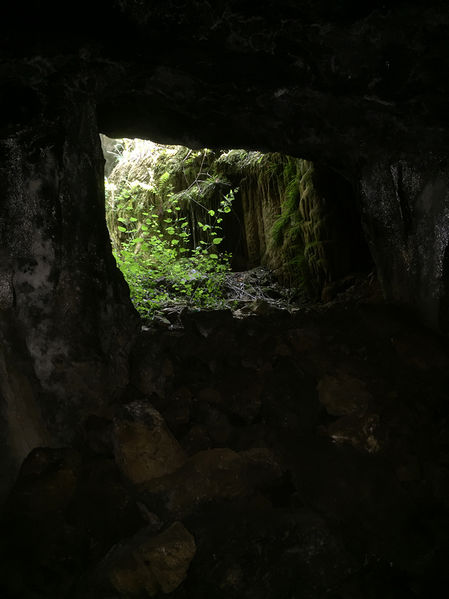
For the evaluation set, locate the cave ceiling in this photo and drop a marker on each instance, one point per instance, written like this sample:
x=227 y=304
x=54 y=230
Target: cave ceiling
x=343 y=82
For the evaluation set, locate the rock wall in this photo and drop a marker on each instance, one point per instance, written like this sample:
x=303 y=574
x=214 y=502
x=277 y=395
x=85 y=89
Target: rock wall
x=261 y=196
x=65 y=314
x=406 y=216
x=334 y=245
x=303 y=222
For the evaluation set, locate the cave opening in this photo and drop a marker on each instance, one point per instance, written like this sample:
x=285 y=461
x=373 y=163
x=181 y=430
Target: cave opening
x=236 y=229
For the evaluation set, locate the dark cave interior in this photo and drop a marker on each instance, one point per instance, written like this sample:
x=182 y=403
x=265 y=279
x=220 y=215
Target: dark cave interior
x=274 y=456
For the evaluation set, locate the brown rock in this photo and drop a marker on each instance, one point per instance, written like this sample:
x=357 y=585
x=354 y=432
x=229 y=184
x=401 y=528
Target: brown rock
x=149 y=564
x=211 y=475
x=208 y=475
x=359 y=430
x=144 y=448
x=343 y=394
x=262 y=465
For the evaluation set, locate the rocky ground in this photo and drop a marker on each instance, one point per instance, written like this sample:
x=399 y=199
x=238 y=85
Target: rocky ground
x=265 y=454
x=250 y=292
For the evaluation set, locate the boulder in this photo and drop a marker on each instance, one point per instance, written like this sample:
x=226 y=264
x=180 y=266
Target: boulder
x=210 y=475
x=343 y=394
x=146 y=565
x=360 y=430
x=144 y=448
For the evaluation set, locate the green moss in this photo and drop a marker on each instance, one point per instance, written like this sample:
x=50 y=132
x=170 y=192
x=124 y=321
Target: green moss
x=289 y=208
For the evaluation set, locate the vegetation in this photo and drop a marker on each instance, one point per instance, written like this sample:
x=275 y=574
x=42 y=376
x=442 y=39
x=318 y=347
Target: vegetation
x=174 y=224
x=163 y=258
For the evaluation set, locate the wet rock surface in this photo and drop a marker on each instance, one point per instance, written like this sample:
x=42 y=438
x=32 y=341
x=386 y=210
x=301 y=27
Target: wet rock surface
x=298 y=455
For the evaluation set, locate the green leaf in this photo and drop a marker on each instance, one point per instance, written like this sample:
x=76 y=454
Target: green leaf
x=212 y=212
x=122 y=229
x=217 y=240
x=170 y=230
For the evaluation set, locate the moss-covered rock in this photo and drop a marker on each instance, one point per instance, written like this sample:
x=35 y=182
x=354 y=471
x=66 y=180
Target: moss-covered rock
x=318 y=232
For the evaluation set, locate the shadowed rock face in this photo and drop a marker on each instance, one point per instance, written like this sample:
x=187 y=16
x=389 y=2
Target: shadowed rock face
x=406 y=216
x=360 y=87
x=343 y=82
x=65 y=319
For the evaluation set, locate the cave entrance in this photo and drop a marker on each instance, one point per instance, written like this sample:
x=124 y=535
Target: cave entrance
x=236 y=229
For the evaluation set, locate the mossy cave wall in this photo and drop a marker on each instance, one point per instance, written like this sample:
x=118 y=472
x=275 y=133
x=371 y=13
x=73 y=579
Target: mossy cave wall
x=301 y=221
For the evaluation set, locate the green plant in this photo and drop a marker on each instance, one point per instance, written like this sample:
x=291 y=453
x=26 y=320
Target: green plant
x=155 y=254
